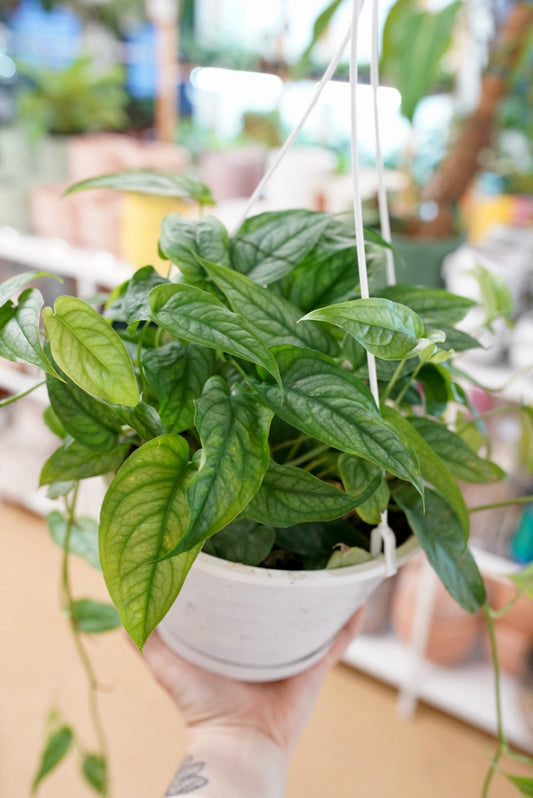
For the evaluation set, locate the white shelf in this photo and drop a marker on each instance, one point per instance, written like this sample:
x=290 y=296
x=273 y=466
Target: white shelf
x=466 y=691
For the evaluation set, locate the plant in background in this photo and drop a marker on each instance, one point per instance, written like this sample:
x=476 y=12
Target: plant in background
x=229 y=403
x=77 y=99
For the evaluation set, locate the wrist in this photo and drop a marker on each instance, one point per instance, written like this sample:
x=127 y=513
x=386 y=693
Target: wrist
x=232 y=761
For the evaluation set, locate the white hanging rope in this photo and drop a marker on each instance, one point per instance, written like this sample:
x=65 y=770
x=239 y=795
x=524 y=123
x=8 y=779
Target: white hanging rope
x=382 y=534
x=382 y=190
x=356 y=181
x=328 y=74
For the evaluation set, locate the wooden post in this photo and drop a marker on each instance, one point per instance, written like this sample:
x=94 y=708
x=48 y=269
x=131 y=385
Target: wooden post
x=458 y=169
x=164 y=16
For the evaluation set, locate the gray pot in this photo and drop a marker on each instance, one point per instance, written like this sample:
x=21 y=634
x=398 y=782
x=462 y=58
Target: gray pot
x=418 y=261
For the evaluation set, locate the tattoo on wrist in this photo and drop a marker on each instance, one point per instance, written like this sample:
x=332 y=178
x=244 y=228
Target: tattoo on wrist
x=188 y=779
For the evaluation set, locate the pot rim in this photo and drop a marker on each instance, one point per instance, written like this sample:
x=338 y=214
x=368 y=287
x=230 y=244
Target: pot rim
x=302 y=579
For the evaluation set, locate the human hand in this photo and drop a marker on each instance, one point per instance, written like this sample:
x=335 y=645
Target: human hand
x=278 y=710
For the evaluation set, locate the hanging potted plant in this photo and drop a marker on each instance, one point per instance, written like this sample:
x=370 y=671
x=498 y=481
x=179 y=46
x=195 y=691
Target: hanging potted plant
x=230 y=399
x=249 y=463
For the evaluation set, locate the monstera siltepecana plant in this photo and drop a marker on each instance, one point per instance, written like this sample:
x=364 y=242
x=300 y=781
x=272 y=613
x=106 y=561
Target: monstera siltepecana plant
x=229 y=403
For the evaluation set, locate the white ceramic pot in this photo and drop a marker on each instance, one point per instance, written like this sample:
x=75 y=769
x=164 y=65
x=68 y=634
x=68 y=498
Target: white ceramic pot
x=259 y=624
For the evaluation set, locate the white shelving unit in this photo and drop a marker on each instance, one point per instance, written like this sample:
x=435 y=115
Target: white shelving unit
x=465 y=691
x=26 y=434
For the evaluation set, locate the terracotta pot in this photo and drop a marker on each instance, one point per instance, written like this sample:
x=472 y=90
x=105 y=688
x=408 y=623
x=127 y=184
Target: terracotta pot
x=513 y=646
x=520 y=616
x=53 y=215
x=260 y=624
x=232 y=173
x=97 y=154
x=452 y=633
x=98 y=220
x=378 y=608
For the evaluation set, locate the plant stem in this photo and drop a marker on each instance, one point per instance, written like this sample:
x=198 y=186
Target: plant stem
x=497 y=411
x=140 y=340
x=407 y=385
x=10 y=399
x=315 y=463
x=506 y=503
x=68 y=602
x=296 y=445
x=307 y=455
x=498 y=699
x=510 y=604
x=386 y=393
x=283 y=444
x=239 y=369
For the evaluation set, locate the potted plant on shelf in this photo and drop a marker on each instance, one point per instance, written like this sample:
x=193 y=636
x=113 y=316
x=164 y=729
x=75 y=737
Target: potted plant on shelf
x=248 y=460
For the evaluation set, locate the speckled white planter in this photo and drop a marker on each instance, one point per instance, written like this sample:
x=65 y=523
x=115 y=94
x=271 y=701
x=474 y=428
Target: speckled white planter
x=259 y=624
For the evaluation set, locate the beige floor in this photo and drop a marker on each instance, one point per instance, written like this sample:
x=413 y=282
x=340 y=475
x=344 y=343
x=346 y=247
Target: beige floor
x=354 y=745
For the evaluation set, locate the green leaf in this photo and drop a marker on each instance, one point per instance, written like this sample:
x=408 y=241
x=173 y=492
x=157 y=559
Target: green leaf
x=525 y=445
x=289 y=496
x=442 y=537
x=74 y=461
x=436 y=307
x=324 y=400
x=19 y=331
x=143 y=418
x=328 y=274
x=57 y=746
x=159 y=185
x=315 y=542
x=90 y=352
x=319 y=28
x=144 y=515
x=270 y=245
x=464 y=464
x=234 y=430
x=524 y=785
x=14 y=284
x=414 y=43
x=182 y=241
x=433 y=468
x=353 y=556
x=177 y=375
x=91 y=422
x=495 y=294
x=57 y=489
x=198 y=317
x=371 y=510
x=83 y=541
x=132 y=303
x=242 y=541
x=53 y=422
x=457 y=340
x=95 y=771
x=275 y=318
x=93 y=617
x=359 y=477
x=386 y=329
x=436 y=382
